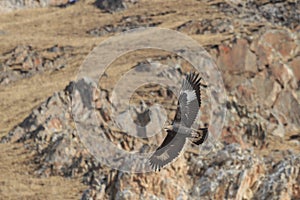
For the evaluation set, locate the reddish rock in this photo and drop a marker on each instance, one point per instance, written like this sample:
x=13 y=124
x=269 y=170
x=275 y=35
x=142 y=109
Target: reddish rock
x=152 y=185
x=246 y=93
x=274 y=45
x=237 y=59
x=295 y=65
x=248 y=182
x=266 y=88
x=55 y=125
x=288 y=105
x=282 y=73
x=231 y=81
x=229 y=136
x=282 y=42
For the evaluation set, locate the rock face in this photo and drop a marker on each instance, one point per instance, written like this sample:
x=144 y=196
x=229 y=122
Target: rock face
x=232 y=172
x=10 y=5
x=125 y=24
x=113 y=5
x=110 y=6
x=25 y=61
x=49 y=126
x=282 y=182
x=260 y=82
x=106 y=5
x=282 y=13
x=258 y=154
x=229 y=170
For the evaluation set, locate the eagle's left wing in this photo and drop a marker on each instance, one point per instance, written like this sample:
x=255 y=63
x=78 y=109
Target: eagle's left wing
x=168 y=151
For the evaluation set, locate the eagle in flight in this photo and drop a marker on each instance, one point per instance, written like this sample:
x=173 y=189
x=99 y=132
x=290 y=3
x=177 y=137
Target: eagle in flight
x=180 y=131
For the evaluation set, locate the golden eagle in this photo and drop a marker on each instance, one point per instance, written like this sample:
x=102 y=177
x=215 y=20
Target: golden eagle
x=188 y=106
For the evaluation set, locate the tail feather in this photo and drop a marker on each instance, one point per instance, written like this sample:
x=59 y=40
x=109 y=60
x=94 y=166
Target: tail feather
x=202 y=136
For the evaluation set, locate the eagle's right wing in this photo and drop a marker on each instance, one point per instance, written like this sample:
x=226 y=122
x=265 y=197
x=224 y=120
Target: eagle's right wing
x=168 y=151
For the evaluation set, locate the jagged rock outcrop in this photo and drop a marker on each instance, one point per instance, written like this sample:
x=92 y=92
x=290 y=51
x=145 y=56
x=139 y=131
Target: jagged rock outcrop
x=282 y=13
x=125 y=24
x=260 y=82
x=113 y=5
x=25 y=61
x=257 y=156
x=227 y=171
x=11 y=5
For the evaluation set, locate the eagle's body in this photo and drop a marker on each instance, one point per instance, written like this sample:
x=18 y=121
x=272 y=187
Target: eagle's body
x=188 y=106
x=178 y=128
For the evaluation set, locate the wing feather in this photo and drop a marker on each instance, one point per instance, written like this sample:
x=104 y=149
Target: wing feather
x=168 y=151
x=189 y=100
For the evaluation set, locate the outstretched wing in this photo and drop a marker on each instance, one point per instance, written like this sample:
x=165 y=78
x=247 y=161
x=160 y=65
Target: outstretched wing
x=189 y=100
x=168 y=151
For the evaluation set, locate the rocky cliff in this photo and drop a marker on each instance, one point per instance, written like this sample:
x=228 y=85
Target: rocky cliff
x=257 y=155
